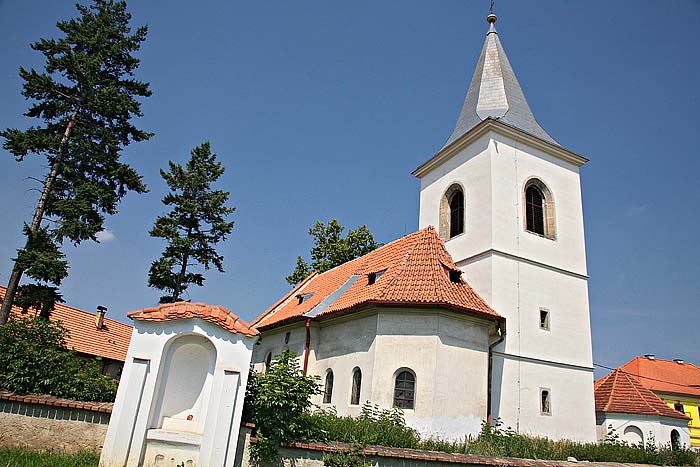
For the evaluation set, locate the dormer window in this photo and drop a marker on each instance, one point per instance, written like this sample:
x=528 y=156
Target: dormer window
x=455 y=276
x=373 y=276
x=301 y=298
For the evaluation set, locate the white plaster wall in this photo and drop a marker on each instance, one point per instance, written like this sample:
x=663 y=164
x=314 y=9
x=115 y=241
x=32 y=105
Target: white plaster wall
x=518 y=273
x=125 y=440
x=272 y=341
x=658 y=428
x=516 y=398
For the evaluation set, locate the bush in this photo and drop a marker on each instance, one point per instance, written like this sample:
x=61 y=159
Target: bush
x=277 y=403
x=34 y=359
x=373 y=426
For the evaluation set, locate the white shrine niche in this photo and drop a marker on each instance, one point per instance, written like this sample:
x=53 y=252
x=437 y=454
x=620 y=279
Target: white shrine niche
x=180 y=399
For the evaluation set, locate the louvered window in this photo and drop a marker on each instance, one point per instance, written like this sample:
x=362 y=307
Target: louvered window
x=328 y=389
x=534 y=210
x=456 y=213
x=404 y=390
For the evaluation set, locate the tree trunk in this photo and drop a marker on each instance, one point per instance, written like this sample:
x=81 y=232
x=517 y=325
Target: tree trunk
x=183 y=271
x=16 y=275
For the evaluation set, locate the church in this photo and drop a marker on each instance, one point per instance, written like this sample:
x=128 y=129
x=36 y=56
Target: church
x=482 y=314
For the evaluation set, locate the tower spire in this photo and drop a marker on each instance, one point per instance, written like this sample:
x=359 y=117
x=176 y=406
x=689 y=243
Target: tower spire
x=495 y=93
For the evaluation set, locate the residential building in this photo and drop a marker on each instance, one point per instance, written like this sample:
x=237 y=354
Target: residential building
x=628 y=410
x=676 y=382
x=90 y=334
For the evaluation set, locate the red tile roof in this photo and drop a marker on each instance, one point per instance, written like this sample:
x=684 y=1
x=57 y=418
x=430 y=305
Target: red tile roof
x=620 y=392
x=665 y=375
x=112 y=341
x=416 y=272
x=186 y=310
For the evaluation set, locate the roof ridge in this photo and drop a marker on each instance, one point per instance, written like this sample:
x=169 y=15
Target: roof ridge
x=401 y=265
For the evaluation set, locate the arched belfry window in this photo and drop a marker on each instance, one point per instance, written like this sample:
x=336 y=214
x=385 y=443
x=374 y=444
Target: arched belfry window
x=539 y=209
x=452 y=212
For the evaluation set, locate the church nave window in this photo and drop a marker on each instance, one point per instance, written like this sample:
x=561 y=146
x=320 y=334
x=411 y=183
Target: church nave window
x=539 y=209
x=452 y=212
x=356 y=387
x=404 y=390
x=328 y=388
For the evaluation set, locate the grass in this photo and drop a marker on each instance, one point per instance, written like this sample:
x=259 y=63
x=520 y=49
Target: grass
x=20 y=457
x=387 y=428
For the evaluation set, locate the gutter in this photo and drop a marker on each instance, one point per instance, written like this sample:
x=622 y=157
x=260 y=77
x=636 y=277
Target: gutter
x=489 y=398
x=307 y=345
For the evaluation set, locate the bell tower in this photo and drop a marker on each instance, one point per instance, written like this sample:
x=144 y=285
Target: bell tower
x=505 y=198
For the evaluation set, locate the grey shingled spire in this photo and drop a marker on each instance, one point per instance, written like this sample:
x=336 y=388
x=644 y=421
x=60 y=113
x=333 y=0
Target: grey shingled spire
x=495 y=93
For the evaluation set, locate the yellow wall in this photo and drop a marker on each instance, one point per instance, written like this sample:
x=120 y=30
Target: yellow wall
x=692 y=409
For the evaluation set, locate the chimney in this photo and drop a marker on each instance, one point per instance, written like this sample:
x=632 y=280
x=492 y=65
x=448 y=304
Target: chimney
x=679 y=360
x=100 y=316
x=650 y=356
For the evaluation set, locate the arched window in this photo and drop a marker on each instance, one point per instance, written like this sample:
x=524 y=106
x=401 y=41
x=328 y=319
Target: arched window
x=356 y=387
x=539 y=209
x=675 y=440
x=452 y=212
x=404 y=390
x=328 y=388
x=268 y=361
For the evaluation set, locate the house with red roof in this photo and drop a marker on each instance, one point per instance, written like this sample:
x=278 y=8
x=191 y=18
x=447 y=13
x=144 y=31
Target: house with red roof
x=90 y=334
x=483 y=313
x=626 y=408
x=676 y=382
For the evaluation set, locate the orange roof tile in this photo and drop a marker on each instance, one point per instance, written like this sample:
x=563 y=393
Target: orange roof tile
x=112 y=341
x=185 y=310
x=665 y=375
x=416 y=272
x=620 y=392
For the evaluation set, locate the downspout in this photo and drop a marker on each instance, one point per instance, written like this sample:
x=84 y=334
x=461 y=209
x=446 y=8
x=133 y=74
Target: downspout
x=308 y=343
x=502 y=330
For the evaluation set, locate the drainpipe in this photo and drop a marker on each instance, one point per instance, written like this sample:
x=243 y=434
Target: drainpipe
x=502 y=328
x=308 y=343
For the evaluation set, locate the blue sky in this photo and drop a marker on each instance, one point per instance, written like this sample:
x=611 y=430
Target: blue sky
x=322 y=109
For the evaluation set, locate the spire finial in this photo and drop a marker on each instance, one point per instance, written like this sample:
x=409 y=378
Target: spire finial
x=491 y=18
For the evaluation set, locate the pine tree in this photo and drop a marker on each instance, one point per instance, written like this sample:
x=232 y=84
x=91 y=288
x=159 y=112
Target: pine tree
x=332 y=249
x=85 y=98
x=196 y=223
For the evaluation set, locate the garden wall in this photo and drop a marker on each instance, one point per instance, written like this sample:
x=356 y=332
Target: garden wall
x=311 y=455
x=47 y=422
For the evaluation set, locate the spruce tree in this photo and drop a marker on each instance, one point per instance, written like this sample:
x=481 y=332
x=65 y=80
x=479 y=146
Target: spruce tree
x=84 y=98
x=196 y=223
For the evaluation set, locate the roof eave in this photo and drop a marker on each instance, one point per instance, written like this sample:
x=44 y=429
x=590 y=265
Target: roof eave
x=505 y=129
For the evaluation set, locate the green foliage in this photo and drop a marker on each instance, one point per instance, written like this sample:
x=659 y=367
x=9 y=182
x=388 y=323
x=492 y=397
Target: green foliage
x=84 y=99
x=34 y=359
x=277 y=402
x=374 y=426
x=332 y=249
x=17 y=457
x=196 y=223
x=353 y=458
x=42 y=260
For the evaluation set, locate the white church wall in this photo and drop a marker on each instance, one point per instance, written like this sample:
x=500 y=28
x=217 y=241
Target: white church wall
x=519 y=406
x=273 y=342
x=470 y=168
x=652 y=428
x=138 y=405
x=512 y=165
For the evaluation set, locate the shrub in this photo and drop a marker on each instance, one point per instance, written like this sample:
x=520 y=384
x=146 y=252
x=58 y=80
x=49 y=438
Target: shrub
x=277 y=403
x=34 y=359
